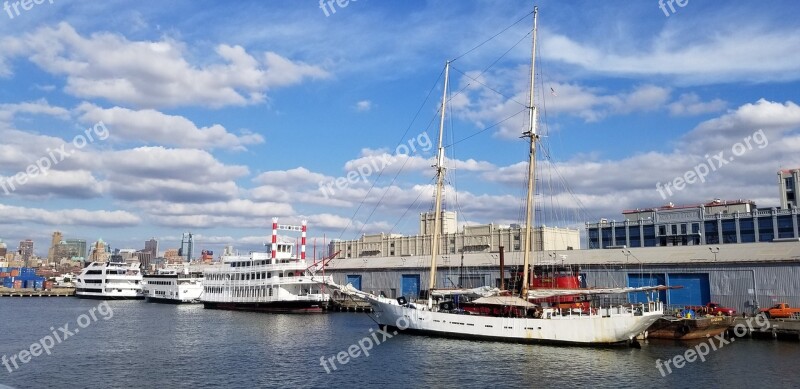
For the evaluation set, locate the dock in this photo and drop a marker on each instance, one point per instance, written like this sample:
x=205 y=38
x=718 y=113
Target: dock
x=56 y=292
x=780 y=329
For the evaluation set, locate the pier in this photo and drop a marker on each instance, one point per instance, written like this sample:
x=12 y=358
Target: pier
x=57 y=292
x=780 y=329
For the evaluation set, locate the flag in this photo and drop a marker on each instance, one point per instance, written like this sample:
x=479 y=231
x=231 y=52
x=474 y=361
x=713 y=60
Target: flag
x=553 y=91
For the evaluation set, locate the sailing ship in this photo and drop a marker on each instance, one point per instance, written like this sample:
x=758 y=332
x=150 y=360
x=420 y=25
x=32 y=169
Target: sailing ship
x=500 y=315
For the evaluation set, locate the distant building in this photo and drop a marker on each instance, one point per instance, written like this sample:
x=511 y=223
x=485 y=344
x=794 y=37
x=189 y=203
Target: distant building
x=151 y=246
x=172 y=255
x=100 y=252
x=3 y=250
x=716 y=222
x=472 y=239
x=145 y=258
x=76 y=249
x=787 y=184
x=54 y=242
x=25 y=250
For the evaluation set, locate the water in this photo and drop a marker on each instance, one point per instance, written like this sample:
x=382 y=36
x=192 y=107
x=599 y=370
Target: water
x=157 y=346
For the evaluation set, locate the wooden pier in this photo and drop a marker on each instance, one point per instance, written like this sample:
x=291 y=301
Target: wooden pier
x=57 y=292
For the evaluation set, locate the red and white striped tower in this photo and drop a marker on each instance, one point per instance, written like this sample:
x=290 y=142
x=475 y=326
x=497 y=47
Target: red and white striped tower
x=274 y=237
x=303 y=242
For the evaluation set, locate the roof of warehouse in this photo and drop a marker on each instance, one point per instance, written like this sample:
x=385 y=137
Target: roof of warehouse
x=727 y=253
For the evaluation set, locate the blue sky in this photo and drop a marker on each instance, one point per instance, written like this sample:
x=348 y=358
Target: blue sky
x=221 y=115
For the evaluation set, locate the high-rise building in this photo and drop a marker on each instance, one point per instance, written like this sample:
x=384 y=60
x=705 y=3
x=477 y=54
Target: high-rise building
x=3 y=250
x=26 y=250
x=172 y=255
x=187 y=247
x=99 y=252
x=787 y=184
x=54 y=242
x=76 y=249
x=151 y=246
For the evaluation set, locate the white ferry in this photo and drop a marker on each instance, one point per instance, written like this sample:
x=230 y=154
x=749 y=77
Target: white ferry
x=277 y=281
x=110 y=280
x=173 y=286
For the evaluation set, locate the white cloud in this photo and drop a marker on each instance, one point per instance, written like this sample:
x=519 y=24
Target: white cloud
x=363 y=106
x=13 y=214
x=153 y=127
x=38 y=107
x=732 y=52
x=689 y=104
x=155 y=73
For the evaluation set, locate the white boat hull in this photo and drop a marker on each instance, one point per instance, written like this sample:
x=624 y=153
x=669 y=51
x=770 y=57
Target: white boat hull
x=595 y=329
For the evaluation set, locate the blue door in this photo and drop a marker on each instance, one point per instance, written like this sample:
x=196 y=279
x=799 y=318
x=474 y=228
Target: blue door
x=696 y=289
x=355 y=280
x=636 y=280
x=409 y=286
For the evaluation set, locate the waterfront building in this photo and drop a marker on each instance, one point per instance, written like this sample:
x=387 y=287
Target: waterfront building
x=787 y=185
x=744 y=277
x=3 y=250
x=716 y=222
x=471 y=239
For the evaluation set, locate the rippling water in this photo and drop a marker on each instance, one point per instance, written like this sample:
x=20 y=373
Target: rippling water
x=158 y=346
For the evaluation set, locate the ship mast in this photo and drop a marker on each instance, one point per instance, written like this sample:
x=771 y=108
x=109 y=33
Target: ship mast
x=534 y=137
x=439 y=181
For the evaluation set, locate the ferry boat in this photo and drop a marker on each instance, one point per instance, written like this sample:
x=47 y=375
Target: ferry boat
x=173 y=286
x=277 y=281
x=109 y=281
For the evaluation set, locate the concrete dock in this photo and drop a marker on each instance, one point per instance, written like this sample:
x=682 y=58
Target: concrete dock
x=760 y=328
x=57 y=292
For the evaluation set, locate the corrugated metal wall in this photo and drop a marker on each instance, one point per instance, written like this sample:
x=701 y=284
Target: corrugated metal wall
x=730 y=284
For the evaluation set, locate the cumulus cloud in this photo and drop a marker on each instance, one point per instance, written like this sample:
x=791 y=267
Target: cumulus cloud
x=154 y=73
x=13 y=214
x=154 y=127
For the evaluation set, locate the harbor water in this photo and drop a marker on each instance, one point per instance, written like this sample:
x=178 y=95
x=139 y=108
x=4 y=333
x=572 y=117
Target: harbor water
x=133 y=344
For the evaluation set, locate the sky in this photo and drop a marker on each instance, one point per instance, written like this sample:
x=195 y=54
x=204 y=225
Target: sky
x=126 y=120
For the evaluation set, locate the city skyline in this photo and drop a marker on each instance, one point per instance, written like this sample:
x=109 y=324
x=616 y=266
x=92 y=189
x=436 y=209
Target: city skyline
x=126 y=121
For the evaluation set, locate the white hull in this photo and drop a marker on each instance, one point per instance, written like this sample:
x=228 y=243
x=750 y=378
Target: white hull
x=174 y=289
x=112 y=295
x=109 y=281
x=607 y=326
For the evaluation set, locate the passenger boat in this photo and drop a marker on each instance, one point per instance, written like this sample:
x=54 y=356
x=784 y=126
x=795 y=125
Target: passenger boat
x=109 y=281
x=275 y=281
x=173 y=286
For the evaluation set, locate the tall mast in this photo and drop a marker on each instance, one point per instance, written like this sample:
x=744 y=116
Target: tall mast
x=534 y=137
x=439 y=180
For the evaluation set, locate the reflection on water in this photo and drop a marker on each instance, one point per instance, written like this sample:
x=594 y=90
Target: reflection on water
x=154 y=345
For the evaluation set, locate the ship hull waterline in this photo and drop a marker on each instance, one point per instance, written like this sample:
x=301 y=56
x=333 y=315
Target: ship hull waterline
x=274 y=307
x=594 y=331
